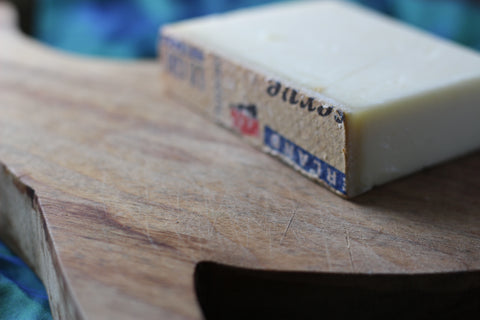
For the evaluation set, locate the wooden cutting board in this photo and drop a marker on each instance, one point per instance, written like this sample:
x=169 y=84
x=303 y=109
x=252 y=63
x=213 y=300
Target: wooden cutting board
x=114 y=193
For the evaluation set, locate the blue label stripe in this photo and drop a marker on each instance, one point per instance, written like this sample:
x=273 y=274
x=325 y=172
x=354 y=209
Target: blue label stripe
x=304 y=160
x=192 y=52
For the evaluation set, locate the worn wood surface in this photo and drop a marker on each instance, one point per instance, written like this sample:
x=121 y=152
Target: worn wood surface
x=113 y=193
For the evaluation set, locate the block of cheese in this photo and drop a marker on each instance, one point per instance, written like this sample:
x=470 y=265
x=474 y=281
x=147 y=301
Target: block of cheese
x=348 y=97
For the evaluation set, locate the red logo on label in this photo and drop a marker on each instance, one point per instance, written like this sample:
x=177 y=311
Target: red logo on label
x=245 y=119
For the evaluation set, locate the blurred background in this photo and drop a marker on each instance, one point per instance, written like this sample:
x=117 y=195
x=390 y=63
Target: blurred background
x=129 y=28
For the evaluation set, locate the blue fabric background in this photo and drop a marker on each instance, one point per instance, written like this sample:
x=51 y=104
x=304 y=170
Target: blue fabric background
x=22 y=295
x=129 y=29
x=123 y=28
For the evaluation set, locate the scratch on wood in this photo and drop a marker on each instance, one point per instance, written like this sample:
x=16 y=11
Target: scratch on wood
x=147 y=198
x=347 y=238
x=248 y=231
x=212 y=226
x=288 y=225
x=148 y=235
x=327 y=253
x=104 y=204
x=178 y=201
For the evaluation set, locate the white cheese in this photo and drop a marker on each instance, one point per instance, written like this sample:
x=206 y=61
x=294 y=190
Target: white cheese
x=406 y=99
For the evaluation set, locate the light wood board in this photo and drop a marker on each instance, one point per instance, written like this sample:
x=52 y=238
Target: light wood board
x=113 y=193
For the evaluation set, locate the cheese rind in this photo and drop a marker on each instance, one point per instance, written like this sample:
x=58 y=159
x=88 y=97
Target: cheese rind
x=348 y=97
x=296 y=125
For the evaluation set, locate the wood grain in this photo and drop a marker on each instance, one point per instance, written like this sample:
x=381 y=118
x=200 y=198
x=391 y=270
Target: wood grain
x=113 y=193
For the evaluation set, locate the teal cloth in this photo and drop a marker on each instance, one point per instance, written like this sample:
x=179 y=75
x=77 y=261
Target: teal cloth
x=129 y=28
x=119 y=29
x=22 y=294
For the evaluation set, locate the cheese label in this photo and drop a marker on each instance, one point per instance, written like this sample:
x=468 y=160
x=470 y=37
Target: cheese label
x=304 y=161
x=300 y=128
